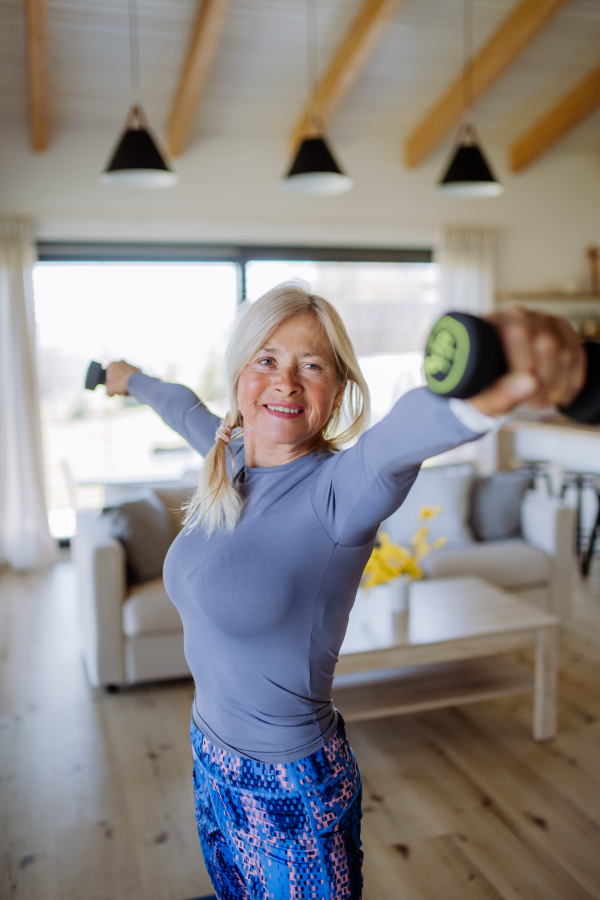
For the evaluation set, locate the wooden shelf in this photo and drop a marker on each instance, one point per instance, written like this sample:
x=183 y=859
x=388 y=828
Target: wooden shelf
x=560 y=296
x=394 y=692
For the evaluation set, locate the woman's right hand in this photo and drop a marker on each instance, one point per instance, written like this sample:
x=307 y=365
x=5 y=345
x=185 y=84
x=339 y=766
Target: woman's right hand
x=117 y=375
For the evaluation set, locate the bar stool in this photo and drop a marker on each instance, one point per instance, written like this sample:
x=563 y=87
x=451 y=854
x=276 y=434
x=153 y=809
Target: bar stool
x=539 y=468
x=583 y=481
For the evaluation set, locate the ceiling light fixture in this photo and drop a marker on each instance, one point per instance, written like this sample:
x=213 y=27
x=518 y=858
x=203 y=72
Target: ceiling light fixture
x=469 y=174
x=314 y=170
x=137 y=162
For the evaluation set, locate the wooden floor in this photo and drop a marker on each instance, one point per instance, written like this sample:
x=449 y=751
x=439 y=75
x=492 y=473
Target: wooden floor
x=96 y=798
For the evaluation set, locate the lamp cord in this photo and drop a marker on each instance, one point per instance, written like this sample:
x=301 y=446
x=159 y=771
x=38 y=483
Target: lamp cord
x=312 y=64
x=134 y=54
x=467 y=79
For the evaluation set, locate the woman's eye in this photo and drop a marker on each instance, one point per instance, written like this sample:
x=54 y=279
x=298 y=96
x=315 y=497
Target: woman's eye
x=265 y=362
x=313 y=366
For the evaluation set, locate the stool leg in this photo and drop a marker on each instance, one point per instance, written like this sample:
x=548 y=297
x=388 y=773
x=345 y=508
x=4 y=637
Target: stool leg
x=546 y=675
x=586 y=560
x=579 y=515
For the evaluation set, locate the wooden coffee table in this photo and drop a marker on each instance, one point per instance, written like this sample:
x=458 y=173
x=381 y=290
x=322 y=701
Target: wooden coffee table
x=446 y=650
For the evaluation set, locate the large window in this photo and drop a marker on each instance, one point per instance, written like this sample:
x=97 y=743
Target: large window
x=171 y=318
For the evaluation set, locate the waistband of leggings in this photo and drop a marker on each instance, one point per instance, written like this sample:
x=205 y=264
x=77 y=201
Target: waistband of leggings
x=329 y=762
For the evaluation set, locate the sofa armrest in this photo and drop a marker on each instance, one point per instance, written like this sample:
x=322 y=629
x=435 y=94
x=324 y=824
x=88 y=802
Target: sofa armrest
x=101 y=580
x=549 y=524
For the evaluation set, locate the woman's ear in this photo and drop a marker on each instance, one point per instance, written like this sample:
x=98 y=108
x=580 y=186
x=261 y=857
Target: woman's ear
x=339 y=395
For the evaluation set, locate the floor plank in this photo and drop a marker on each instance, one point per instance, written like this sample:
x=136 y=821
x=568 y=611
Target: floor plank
x=564 y=764
x=540 y=814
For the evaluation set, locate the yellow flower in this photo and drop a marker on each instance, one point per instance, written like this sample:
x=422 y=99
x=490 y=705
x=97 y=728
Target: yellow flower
x=389 y=560
x=430 y=512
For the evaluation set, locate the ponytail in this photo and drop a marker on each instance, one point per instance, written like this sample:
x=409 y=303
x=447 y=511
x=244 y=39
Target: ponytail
x=216 y=503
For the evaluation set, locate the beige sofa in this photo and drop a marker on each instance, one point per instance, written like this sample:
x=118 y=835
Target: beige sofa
x=129 y=635
x=538 y=566
x=135 y=635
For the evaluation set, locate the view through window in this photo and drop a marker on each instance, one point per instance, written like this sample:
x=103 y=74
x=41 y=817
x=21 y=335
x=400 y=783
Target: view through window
x=172 y=320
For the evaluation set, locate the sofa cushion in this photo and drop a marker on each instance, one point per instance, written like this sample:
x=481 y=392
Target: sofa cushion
x=451 y=487
x=148 y=610
x=174 y=499
x=496 y=505
x=143 y=525
x=508 y=564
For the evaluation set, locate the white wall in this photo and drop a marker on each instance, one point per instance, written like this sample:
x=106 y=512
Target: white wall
x=229 y=192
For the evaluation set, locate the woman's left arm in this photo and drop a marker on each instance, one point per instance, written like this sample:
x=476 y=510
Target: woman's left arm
x=363 y=485
x=360 y=487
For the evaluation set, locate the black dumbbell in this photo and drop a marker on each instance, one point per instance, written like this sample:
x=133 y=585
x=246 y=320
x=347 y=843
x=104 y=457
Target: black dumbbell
x=464 y=355
x=95 y=375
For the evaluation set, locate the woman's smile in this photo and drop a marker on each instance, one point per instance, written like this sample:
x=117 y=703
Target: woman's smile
x=288 y=412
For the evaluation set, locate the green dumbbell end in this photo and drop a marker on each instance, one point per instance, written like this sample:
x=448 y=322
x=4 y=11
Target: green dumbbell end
x=463 y=356
x=446 y=355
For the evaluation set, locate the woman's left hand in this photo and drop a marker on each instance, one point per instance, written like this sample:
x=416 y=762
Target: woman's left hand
x=546 y=363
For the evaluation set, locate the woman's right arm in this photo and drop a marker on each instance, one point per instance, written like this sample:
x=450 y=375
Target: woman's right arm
x=177 y=405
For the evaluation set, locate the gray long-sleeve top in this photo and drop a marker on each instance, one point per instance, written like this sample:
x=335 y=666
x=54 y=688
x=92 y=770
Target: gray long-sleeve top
x=265 y=608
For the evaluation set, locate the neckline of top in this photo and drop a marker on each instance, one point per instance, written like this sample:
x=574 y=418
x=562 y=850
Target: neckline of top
x=284 y=467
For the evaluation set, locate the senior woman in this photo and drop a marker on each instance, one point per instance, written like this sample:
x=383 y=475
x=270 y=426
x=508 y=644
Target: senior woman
x=266 y=571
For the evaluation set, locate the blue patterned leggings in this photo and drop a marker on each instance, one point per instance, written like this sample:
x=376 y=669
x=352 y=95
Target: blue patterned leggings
x=289 y=831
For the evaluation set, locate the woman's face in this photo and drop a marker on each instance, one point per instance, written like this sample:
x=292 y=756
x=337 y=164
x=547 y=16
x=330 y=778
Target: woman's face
x=288 y=391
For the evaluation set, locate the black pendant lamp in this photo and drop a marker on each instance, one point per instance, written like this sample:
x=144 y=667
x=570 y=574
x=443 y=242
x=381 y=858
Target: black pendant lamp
x=137 y=162
x=314 y=171
x=469 y=174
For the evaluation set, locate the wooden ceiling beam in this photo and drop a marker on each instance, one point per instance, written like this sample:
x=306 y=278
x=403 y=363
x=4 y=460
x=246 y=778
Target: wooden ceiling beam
x=562 y=118
x=37 y=74
x=350 y=59
x=206 y=34
x=520 y=27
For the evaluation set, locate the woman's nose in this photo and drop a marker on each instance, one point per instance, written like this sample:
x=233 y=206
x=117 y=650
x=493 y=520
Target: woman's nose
x=287 y=379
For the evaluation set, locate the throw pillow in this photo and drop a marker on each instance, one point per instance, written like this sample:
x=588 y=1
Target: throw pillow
x=143 y=525
x=496 y=505
x=449 y=486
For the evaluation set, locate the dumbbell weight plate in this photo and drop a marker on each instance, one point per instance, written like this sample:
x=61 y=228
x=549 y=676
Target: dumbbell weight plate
x=95 y=375
x=586 y=406
x=463 y=355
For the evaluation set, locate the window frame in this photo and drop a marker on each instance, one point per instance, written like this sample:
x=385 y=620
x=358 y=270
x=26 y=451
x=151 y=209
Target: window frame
x=240 y=254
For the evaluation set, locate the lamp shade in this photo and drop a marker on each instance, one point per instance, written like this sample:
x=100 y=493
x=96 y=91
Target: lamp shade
x=137 y=162
x=315 y=171
x=469 y=174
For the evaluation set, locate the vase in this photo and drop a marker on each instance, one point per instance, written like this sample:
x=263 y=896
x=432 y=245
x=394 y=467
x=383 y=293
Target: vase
x=400 y=590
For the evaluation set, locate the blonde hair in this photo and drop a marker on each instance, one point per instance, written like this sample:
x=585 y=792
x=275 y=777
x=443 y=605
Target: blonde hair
x=216 y=503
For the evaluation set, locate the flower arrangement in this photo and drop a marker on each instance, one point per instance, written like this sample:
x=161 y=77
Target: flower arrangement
x=389 y=560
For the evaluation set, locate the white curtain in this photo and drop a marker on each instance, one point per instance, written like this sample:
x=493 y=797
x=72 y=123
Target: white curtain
x=467 y=258
x=468 y=261
x=25 y=541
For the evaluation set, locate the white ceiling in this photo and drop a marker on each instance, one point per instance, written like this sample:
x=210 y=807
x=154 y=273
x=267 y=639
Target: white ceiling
x=258 y=82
